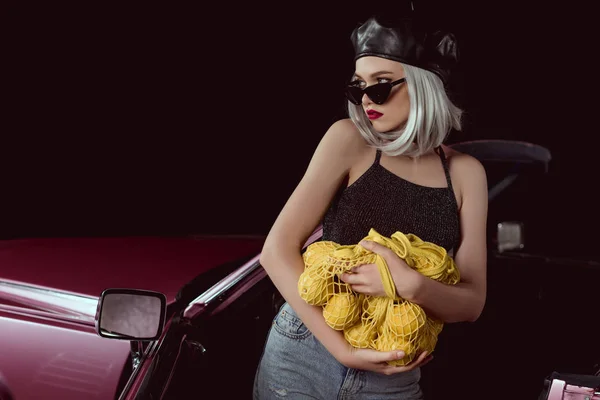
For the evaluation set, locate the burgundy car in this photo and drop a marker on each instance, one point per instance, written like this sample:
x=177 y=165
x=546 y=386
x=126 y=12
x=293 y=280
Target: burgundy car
x=152 y=318
x=49 y=290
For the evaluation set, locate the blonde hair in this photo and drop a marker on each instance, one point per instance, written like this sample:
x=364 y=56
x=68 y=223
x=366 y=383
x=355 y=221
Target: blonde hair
x=431 y=117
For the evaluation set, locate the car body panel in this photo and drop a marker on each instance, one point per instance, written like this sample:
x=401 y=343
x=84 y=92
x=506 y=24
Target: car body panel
x=64 y=305
x=49 y=292
x=42 y=357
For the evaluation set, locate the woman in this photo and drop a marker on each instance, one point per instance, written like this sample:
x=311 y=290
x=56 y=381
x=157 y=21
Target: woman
x=384 y=168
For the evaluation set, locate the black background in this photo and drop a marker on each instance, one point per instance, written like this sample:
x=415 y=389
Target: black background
x=184 y=119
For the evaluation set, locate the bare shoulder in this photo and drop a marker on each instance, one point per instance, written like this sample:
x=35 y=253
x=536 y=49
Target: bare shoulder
x=343 y=141
x=467 y=172
x=345 y=134
x=463 y=164
x=343 y=125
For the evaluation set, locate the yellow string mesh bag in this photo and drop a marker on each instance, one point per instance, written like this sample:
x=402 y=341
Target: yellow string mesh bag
x=317 y=276
x=403 y=327
x=342 y=310
x=381 y=323
x=362 y=335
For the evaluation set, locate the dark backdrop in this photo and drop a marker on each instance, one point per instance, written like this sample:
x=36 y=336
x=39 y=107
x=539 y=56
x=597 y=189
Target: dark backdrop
x=175 y=120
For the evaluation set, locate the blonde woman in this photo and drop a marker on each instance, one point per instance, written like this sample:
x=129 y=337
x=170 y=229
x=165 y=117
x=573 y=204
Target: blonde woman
x=386 y=168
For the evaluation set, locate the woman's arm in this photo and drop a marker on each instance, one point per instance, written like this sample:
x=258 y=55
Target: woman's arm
x=464 y=301
x=281 y=255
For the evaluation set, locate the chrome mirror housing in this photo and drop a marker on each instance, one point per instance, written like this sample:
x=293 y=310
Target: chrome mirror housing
x=131 y=314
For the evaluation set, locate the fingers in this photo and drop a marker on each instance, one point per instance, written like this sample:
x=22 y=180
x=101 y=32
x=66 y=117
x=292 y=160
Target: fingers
x=382 y=357
x=421 y=357
x=376 y=248
x=351 y=279
x=369 y=290
x=429 y=358
x=420 y=361
x=355 y=277
x=359 y=273
x=364 y=289
x=391 y=355
x=378 y=361
x=364 y=279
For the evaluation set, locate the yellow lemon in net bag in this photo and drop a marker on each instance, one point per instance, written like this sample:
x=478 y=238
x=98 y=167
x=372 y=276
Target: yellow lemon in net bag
x=387 y=322
x=427 y=339
x=360 y=335
x=317 y=252
x=341 y=311
x=374 y=309
x=313 y=288
x=389 y=343
x=435 y=325
x=405 y=318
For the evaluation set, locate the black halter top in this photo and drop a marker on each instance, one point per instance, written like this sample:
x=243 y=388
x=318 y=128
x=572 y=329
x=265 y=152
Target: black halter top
x=381 y=200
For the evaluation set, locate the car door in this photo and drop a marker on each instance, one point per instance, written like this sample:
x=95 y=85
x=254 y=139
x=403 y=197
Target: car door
x=205 y=313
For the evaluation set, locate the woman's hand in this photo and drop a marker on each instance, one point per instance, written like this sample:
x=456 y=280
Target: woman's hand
x=376 y=361
x=366 y=278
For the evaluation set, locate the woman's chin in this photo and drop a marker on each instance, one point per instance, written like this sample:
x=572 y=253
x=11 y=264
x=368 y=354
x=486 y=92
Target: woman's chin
x=382 y=127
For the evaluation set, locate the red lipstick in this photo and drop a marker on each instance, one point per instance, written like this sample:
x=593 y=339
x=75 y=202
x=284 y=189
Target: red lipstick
x=372 y=114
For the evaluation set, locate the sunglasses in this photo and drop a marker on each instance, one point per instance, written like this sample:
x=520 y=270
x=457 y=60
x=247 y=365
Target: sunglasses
x=378 y=93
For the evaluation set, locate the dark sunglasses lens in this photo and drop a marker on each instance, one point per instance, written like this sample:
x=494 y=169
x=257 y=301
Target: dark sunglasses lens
x=379 y=93
x=354 y=94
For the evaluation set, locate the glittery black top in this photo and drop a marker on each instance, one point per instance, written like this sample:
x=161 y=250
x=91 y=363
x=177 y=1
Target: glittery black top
x=381 y=200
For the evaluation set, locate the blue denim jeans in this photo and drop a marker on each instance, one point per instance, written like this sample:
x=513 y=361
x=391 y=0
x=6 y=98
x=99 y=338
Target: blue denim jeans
x=295 y=365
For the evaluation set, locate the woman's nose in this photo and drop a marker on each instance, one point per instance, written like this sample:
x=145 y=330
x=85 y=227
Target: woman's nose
x=366 y=100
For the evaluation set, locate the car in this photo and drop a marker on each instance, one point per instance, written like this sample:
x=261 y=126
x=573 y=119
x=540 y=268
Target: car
x=49 y=290
x=203 y=337
x=5 y=393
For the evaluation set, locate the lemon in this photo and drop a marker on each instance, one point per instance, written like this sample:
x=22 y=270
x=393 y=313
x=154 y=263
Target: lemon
x=390 y=343
x=341 y=311
x=314 y=289
x=427 y=340
x=435 y=325
x=405 y=318
x=360 y=335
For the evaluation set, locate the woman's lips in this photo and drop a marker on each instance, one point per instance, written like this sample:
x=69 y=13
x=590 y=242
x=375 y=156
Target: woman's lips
x=372 y=114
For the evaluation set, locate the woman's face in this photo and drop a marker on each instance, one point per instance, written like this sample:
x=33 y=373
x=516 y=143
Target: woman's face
x=393 y=113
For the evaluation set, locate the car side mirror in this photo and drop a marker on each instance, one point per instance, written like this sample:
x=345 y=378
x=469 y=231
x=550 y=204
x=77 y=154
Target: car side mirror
x=131 y=314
